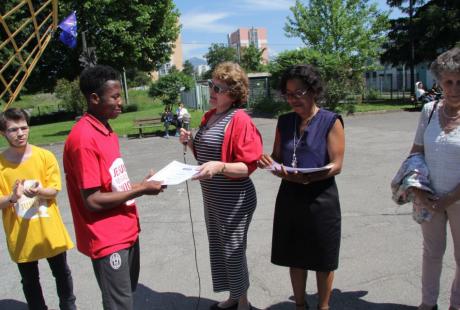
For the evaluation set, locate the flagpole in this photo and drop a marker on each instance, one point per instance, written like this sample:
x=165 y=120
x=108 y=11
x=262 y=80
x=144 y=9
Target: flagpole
x=125 y=86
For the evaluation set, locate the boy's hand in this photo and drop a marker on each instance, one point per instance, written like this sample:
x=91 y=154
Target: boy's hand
x=32 y=191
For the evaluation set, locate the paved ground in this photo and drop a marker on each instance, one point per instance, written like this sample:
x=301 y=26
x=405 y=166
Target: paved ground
x=380 y=259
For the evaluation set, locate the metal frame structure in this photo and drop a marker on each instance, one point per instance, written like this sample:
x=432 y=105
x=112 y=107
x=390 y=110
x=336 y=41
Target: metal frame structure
x=27 y=45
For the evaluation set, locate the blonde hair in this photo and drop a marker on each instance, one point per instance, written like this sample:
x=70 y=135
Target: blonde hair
x=236 y=79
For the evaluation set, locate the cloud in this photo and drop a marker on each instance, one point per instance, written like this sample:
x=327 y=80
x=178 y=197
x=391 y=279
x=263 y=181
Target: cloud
x=206 y=22
x=264 y=5
x=194 y=49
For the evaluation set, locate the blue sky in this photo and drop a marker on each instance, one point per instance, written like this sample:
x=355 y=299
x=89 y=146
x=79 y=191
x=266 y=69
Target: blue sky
x=209 y=21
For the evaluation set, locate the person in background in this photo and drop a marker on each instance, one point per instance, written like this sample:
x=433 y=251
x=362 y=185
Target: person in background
x=181 y=112
x=100 y=193
x=227 y=146
x=436 y=91
x=421 y=94
x=167 y=118
x=438 y=139
x=307 y=220
x=29 y=183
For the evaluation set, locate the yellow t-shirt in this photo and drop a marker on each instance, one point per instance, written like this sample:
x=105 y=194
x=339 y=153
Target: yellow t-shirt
x=33 y=226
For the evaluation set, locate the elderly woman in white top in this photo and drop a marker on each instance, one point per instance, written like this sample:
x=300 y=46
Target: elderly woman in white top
x=439 y=140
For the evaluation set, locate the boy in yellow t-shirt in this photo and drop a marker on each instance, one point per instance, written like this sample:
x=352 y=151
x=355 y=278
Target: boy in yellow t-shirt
x=29 y=183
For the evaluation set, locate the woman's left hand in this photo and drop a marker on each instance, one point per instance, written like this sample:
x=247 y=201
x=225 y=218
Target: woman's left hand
x=291 y=176
x=209 y=169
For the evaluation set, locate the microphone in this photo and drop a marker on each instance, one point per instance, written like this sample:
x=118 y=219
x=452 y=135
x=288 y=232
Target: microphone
x=185 y=147
x=185 y=125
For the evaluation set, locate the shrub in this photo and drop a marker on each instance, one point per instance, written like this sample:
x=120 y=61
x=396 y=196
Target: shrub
x=168 y=87
x=133 y=107
x=270 y=106
x=137 y=78
x=70 y=96
x=372 y=94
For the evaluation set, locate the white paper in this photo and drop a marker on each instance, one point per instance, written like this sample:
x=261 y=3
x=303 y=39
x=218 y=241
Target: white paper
x=175 y=173
x=277 y=166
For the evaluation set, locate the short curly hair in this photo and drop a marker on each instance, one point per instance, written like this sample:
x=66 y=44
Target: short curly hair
x=447 y=62
x=93 y=79
x=308 y=74
x=236 y=79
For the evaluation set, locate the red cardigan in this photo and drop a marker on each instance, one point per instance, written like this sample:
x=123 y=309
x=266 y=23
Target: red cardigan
x=242 y=141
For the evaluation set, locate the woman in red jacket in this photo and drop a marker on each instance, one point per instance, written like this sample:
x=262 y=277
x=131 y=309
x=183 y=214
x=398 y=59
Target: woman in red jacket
x=227 y=146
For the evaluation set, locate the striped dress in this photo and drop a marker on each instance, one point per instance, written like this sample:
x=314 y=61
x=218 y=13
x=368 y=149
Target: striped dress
x=228 y=208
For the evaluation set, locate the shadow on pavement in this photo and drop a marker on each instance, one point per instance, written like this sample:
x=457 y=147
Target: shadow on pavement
x=344 y=301
x=145 y=298
x=12 y=304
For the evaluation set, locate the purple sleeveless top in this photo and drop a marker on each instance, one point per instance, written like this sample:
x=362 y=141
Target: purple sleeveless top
x=311 y=149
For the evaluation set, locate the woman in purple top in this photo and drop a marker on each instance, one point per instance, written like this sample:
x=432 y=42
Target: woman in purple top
x=306 y=229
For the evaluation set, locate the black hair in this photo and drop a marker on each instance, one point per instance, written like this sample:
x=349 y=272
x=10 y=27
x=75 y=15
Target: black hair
x=93 y=79
x=13 y=114
x=308 y=74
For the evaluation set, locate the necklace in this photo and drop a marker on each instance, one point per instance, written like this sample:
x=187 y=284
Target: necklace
x=294 y=156
x=444 y=113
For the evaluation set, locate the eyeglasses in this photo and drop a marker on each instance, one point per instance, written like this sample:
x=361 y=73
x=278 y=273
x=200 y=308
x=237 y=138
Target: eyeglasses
x=217 y=89
x=16 y=129
x=295 y=95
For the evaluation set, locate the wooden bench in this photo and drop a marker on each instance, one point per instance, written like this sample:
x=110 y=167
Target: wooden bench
x=146 y=122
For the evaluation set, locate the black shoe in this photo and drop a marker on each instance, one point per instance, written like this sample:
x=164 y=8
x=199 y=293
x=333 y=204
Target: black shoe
x=216 y=307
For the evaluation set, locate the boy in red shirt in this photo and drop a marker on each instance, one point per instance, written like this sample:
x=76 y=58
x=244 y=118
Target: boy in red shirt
x=100 y=193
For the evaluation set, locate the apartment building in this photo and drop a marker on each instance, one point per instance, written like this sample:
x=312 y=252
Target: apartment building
x=243 y=37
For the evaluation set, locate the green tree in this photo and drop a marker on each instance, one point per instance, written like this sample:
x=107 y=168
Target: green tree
x=137 y=78
x=168 y=87
x=135 y=34
x=353 y=30
x=436 y=28
x=339 y=77
x=188 y=68
x=409 y=28
x=218 y=53
x=343 y=39
x=251 y=58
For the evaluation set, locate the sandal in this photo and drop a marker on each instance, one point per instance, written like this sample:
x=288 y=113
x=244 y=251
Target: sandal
x=302 y=305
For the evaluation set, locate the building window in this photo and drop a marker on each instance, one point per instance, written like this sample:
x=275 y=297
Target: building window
x=253 y=37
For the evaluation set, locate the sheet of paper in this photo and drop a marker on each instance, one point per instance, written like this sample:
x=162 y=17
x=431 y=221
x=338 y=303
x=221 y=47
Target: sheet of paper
x=175 y=173
x=277 y=166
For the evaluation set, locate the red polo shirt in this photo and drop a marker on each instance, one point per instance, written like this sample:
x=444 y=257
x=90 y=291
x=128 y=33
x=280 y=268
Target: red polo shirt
x=92 y=160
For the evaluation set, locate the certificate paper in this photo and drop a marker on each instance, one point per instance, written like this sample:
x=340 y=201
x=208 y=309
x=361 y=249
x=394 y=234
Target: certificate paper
x=174 y=173
x=277 y=166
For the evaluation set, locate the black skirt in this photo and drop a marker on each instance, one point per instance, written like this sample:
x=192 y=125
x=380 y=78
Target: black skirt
x=307 y=226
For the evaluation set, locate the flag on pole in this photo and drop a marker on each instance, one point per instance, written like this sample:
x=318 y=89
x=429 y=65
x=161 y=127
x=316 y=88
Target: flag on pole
x=68 y=26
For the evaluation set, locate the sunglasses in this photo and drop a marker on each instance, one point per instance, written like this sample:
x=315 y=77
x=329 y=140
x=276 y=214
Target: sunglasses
x=295 y=95
x=216 y=88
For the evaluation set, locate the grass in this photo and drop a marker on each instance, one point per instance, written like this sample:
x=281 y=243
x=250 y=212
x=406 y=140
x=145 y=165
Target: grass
x=147 y=107
x=381 y=106
x=57 y=132
x=38 y=104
